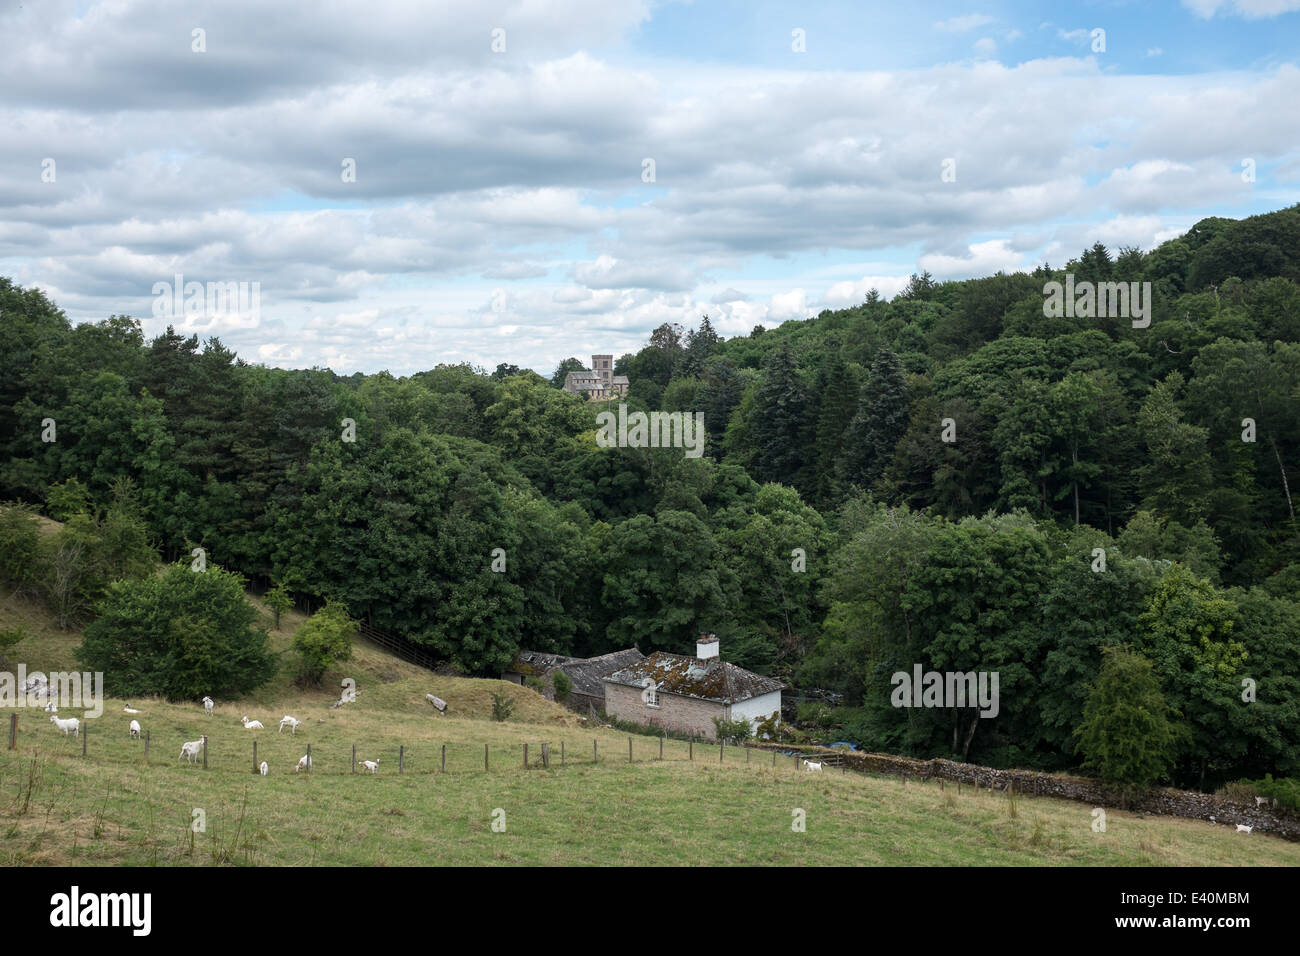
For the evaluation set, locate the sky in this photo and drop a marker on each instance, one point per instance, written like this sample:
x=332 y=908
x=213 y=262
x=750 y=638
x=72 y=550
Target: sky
x=483 y=181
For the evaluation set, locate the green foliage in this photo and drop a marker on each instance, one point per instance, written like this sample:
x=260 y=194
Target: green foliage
x=181 y=635
x=563 y=686
x=1286 y=791
x=1128 y=736
x=502 y=707
x=9 y=637
x=279 y=601
x=732 y=731
x=535 y=683
x=323 y=640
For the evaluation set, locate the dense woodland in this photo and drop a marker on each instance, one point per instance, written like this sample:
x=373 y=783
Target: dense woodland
x=1072 y=435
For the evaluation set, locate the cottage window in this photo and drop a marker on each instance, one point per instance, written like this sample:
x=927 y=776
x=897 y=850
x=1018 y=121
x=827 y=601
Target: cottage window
x=652 y=697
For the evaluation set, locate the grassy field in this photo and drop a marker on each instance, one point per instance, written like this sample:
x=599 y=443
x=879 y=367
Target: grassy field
x=114 y=807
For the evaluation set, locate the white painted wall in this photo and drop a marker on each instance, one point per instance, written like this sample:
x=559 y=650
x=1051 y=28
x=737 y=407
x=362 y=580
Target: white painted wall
x=757 y=708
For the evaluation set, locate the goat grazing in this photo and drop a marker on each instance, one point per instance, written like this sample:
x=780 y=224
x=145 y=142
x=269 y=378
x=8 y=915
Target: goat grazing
x=809 y=765
x=135 y=728
x=290 y=722
x=263 y=769
x=304 y=763
x=1242 y=828
x=1261 y=801
x=371 y=765
x=69 y=726
x=251 y=724
x=207 y=704
x=192 y=749
x=128 y=709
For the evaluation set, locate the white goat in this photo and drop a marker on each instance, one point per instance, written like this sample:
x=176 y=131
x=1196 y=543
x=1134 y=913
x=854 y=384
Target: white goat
x=304 y=763
x=71 y=725
x=1261 y=801
x=252 y=724
x=207 y=704
x=1242 y=828
x=50 y=708
x=263 y=768
x=135 y=728
x=809 y=765
x=371 y=765
x=290 y=722
x=192 y=749
x=128 y=709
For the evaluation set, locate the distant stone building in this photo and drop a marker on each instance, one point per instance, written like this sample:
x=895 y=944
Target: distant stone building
x=597 y=382
x=684 y=694
x=584 y=673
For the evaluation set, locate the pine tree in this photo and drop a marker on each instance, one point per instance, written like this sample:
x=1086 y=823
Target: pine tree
x=879 y=424
x=781 y=424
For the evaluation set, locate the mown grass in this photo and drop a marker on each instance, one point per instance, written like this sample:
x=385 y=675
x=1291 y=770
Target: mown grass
x=114 y=807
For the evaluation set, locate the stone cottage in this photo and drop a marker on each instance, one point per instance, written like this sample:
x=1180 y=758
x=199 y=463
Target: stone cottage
x=684 y=694
x=584 y=673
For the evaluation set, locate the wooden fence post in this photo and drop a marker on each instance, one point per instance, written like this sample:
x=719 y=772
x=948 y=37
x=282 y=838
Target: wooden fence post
x=444 y=758
x=561 y=753
x=485 y=758
x=146 y=746
x=525 y=756
x=254 y=756
x=85 y=732
x=546 y=755
x=595 y=753
x=205 y=753
x=309 y=758
x=13 y=730
x=690 y=749
x=661 y=746
x=354 y=758
x=629 y=750
x=401 y=757
x=720 y=746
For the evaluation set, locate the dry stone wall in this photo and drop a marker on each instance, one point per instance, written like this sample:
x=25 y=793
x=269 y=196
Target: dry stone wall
x=1160 y=800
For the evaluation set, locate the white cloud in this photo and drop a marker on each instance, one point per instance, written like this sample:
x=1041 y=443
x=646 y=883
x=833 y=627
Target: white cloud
x=985 y=46
x=1249 y=9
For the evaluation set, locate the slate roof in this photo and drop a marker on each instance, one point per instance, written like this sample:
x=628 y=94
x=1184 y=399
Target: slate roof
x=586 y=674
x=714 y=680
x=536 y=663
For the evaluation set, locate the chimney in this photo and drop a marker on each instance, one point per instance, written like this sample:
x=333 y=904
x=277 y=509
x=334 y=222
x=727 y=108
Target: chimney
x=706 y=647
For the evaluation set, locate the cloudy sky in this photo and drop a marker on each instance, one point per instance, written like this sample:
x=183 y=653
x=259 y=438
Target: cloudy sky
x=488 y=181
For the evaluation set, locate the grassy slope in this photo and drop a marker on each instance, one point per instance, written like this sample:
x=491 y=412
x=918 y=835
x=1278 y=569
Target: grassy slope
x=114 y=808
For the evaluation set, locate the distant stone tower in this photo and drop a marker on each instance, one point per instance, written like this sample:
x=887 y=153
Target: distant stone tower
x=603 y=366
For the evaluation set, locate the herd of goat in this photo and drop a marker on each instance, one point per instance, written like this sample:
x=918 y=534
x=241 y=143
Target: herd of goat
x=191 y=750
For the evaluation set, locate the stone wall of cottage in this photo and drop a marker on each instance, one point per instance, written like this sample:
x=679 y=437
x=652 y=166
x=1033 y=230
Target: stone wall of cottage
x=676 y=713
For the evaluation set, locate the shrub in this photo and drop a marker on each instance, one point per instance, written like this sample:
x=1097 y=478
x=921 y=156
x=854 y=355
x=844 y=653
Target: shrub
x=181 y=635
x=502 y=707
x=324 y=639
x=1286 y=790
x=535 y=683
x=20 y=548
x=732 y=731
x=8 y=638
x=279 y=601
x=562 y=685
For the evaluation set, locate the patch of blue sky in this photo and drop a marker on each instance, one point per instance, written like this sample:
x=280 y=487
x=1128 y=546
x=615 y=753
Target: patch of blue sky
x=1160 y=37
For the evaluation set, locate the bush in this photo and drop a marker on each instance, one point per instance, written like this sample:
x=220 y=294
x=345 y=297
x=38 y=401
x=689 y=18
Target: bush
x=732 y=731
x=1286 y=790
x=278 y=600
x=535 y=683
x=324 y=639
x=502 y=707
x=181 y=635
x=8 y=638
x=562 y=685
x=20 y=548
